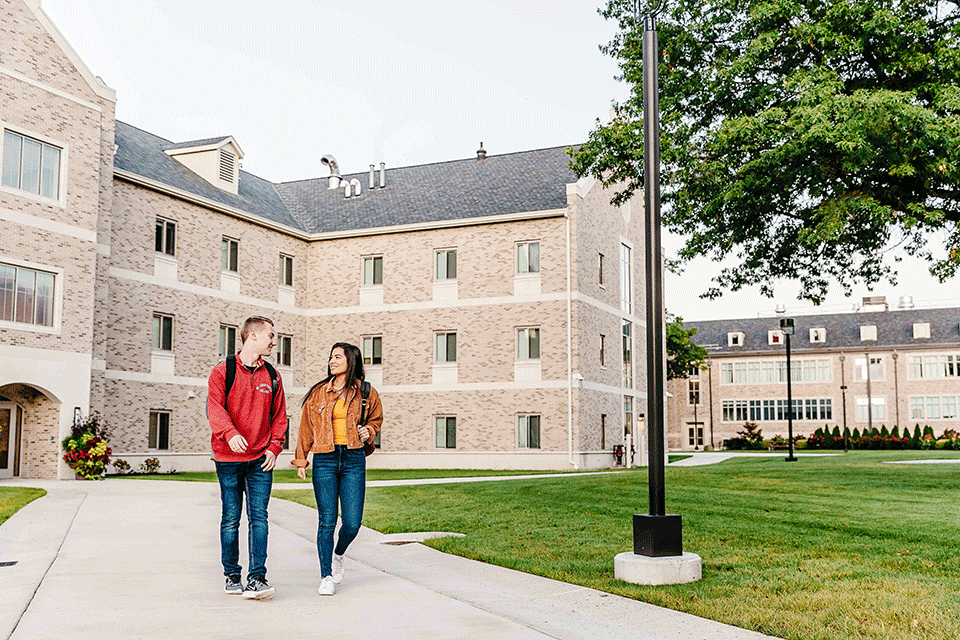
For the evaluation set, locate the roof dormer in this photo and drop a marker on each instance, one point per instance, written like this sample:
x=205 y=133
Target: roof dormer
x=216 y=160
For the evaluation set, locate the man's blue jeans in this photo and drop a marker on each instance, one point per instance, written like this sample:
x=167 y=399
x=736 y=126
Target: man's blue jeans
x=237 y=478
x=338 y=476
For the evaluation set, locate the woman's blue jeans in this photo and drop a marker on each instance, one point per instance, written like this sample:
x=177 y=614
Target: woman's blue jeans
x=338 y=476
x=237 y=478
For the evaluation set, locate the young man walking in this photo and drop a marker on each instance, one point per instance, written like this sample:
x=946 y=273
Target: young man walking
x=248 y=420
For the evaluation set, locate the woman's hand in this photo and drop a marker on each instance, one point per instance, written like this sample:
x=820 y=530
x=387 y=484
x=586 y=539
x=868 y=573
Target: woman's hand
x=364 y=433
x=302 y=473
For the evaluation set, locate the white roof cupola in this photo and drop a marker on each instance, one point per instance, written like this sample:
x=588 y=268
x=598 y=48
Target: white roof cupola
x=216 y=160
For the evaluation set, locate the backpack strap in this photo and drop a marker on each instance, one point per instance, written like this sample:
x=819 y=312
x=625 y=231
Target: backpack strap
x=231 y=376
x=274 y=386
x=364 y=394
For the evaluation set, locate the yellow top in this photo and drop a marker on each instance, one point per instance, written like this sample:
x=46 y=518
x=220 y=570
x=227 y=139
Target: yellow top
x=340 y=422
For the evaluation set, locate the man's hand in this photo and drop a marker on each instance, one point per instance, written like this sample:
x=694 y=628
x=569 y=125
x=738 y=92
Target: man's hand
x=238 y=444
x=302 y=473
x=270 y=462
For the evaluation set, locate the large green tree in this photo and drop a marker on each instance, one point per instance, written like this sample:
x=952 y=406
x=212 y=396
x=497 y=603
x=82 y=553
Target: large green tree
x=682 y=352
x=808 y=139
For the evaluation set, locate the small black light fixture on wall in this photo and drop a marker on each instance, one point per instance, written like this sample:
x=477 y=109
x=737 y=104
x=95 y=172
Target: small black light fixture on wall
x=787 y=327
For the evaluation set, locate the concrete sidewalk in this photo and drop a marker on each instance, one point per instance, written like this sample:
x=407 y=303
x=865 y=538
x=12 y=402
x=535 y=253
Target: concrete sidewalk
x=140 y=559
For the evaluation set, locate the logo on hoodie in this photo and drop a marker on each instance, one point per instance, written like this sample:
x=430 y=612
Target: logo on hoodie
x=263 y=387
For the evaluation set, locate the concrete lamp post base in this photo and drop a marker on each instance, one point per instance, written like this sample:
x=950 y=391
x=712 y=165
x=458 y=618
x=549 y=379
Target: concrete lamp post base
x=637 y=569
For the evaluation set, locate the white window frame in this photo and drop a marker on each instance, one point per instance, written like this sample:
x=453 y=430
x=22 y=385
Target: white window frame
x=879 y=412
x=776 y=336
x=446 y=346
x=921 y=330
x=58 y=277
x=153 y=440
x=230 y=242
x=524 y=427
x=61 y=199
x=173 y=332
x=223 y=340
x=286 y=270
x=525 y=343
x=818 y=335
x=735 y=338
x=284 y=339
x=446 y=431
x=368 y=353
x=437 y=253
x=165 y=238
x=868 y=333
x=522 y=252
x=626 y=276
x=372 y=261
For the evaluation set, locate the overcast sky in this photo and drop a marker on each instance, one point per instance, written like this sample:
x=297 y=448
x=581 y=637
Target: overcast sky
x=401 y=82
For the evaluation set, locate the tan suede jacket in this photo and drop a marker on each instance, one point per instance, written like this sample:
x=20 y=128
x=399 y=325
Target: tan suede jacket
x=316 y=421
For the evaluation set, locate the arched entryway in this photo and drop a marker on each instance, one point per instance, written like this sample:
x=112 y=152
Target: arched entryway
x=29 y=432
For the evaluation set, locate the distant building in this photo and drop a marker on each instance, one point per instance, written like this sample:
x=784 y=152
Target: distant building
x=497 y=299
x=871 y=368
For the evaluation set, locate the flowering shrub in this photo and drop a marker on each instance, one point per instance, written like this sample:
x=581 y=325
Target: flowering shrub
x=122 y=466
x=86 y=450
x=150 y=465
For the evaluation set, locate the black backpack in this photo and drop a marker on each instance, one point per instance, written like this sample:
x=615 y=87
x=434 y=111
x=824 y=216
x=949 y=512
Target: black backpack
x=368 y=446
x=232 y=375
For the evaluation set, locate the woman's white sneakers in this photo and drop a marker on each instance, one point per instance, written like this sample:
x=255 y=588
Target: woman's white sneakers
x=337 y=566
x=327 y=586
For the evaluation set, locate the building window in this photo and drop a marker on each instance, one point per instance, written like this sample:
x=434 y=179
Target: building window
x=627 y=354
x=868 y=332
x=695 y=434
x=735 y=339
x=446 y=264
x=921 y=330
x=528 y=257
x=528 y=344
x=285 y=351
x=876 y=369
x=373 y=350
x=626 y=284
x=603 y=350
x=879 y=406
x=373 y=270
x=600 y=269
x=693 y=391
x=603 y=431
x=228 y=340
x=627 y=415
x=446 y=347
x=528 y=429
x=159 y=437
x=818 y=334
x=933 y=366
x=229 y=254
x=162 y=332
x=775 y=336
x=165 y=239
x=934 y=407
x=775 y=371
x=30 y=165
x=286 y=270
x=26 y=295
x=446 y=432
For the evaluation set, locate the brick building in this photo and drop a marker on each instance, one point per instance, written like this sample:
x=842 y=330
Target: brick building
x=873 y=367
x=497 y=299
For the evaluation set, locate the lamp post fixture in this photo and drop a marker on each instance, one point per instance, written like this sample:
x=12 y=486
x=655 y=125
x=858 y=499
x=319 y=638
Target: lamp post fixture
x=787 y=327
x=866 y=357
x=696 y=427
x=843 y=393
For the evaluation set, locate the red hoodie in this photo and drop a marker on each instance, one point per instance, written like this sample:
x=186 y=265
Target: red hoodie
x=247 y=413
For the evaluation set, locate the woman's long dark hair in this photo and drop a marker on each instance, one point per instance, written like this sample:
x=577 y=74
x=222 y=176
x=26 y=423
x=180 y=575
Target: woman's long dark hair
x=354 y=368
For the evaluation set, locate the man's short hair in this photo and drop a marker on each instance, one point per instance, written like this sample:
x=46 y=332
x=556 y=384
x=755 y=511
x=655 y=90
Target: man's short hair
x=251 y=324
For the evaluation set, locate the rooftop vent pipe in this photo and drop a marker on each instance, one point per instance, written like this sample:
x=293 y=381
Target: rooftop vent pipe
x=371 y=177
x=481 y=154
x=906 y=302
x=383 y=174
x=331 y=163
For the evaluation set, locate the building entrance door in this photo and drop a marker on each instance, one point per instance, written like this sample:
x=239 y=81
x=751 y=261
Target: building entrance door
x=9 y=441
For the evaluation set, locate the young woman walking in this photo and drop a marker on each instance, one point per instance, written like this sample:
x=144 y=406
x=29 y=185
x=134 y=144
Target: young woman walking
x=329 y=429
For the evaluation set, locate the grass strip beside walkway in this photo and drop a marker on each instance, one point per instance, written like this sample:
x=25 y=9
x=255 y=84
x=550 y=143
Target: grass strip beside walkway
x=12 y=499
x=827 y=548
x=290 y=475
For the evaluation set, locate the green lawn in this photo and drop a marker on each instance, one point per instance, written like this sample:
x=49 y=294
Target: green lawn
x=13 y=498
x=290 y=475
x=833 y=548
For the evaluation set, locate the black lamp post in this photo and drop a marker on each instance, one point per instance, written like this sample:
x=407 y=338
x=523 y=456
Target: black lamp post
x=843 y=393
x=657 y=534
x=786 y=326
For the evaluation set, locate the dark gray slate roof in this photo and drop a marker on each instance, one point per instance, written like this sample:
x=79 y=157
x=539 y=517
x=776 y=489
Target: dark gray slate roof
x=142 y=153
x=894 y=329
x=456 y=190
x=195 y=143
